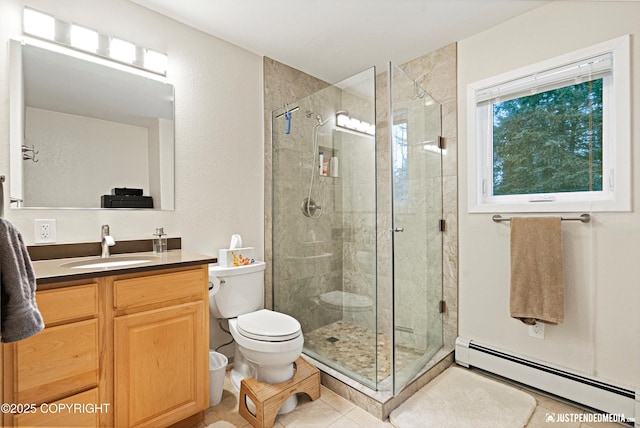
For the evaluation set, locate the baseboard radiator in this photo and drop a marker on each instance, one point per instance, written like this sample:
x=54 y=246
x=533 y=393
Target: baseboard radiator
x=581 y=389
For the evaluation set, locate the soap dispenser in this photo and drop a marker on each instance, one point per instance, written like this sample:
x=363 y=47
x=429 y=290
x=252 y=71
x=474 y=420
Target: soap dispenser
x=159 y=241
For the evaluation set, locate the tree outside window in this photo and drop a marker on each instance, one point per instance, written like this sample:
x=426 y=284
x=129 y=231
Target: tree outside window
x=549 y=142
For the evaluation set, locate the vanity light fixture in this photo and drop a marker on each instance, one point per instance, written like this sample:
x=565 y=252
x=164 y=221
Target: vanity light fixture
x=39 y=24
x=122 y=51
x=155 y=61
x=84 y=38
x=344 y=121
x=45 y=26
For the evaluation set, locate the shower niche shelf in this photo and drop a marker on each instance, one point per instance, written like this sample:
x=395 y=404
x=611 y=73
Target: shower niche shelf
x=328 y=153
x=314 y=257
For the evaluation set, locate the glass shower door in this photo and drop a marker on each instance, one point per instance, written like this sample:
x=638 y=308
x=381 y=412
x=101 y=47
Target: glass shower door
x=324 y=224
x=415 y=125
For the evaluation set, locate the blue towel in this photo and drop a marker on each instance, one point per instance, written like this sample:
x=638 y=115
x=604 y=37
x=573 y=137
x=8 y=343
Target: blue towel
x=19 y=314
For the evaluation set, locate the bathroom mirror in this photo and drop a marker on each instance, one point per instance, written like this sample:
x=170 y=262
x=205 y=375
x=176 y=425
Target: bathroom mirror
x=82 y=126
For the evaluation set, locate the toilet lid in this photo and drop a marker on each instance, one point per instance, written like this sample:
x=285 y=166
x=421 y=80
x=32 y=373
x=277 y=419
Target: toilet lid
x=268 y=326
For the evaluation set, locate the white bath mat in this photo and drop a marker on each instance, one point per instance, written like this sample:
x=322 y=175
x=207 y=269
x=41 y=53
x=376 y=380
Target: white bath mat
x=459 y=398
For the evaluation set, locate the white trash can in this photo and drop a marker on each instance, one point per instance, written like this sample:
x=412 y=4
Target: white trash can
x=217 y=367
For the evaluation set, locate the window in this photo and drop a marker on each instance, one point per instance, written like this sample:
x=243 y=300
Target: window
x=400 y=167
x=554 y=136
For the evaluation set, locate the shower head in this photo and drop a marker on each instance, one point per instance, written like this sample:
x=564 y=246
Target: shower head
x=321 y=122
x=310 y=113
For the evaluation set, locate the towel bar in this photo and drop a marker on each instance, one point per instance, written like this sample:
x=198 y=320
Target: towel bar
x=585 y=218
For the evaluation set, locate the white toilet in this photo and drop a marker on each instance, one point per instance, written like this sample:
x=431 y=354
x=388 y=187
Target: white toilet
x=267 y=342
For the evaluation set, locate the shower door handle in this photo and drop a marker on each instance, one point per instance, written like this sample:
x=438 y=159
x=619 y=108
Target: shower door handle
x=397 y=229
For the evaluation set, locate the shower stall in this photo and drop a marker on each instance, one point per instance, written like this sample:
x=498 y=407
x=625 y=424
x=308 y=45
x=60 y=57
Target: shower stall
x=356 y=215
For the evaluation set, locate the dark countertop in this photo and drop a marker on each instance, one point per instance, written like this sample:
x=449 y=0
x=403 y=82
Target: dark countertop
x=51 y=271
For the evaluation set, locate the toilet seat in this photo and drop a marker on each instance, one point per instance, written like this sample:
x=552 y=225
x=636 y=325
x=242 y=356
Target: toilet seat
x=268 y=326
x=266 y=346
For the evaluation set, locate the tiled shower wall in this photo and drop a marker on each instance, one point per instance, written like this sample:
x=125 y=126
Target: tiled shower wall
x=282 y=84
x=436 y=73
x=309 y=249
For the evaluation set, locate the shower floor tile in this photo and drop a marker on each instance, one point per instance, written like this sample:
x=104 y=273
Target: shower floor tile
x=352 y=347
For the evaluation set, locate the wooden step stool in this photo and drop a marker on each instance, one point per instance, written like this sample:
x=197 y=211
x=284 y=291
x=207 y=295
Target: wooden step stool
x=269 y=398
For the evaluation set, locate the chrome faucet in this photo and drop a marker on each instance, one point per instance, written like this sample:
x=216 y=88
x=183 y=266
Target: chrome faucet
x=106 y=241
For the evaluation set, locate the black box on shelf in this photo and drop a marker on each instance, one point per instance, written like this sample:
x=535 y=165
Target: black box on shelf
x=126 y=191
x=126 y=201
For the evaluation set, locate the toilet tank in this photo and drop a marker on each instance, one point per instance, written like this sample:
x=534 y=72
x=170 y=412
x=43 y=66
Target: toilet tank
x=241 y=289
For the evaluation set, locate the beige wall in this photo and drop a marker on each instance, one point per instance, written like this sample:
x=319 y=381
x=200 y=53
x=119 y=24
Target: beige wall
x=601 y=332
x=218 y=132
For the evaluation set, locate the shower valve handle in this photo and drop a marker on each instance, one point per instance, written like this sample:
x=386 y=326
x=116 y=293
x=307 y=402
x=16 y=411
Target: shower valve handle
x=309 y=207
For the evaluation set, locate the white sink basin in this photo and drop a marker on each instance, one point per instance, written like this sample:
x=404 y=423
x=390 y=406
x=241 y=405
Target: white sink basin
x=110 y=262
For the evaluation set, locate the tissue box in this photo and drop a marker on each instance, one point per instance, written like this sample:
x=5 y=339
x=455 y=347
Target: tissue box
x=236 y=257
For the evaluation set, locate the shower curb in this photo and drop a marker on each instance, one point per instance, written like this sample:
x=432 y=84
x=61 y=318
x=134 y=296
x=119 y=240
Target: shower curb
x=381 y=403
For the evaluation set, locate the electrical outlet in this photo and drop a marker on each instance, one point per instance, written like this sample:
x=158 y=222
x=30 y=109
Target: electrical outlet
x=537 y=330
x=45 y=231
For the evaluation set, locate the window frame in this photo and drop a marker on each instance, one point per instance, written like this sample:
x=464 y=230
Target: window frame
x=616 y=187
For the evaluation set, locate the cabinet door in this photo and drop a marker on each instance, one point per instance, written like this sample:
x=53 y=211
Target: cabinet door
x=161 y=365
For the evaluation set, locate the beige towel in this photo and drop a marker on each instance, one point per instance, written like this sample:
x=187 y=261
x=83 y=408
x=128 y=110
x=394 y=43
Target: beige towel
x=537 y=286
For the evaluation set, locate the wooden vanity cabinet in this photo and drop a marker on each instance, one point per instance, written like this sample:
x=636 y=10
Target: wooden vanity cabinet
x=136 y=345
x=59 y=364
x=160 y=352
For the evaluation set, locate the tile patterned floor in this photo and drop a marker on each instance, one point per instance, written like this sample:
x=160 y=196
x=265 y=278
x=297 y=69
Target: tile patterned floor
x=330 y=410
x=333 y=411
x=352 y=347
